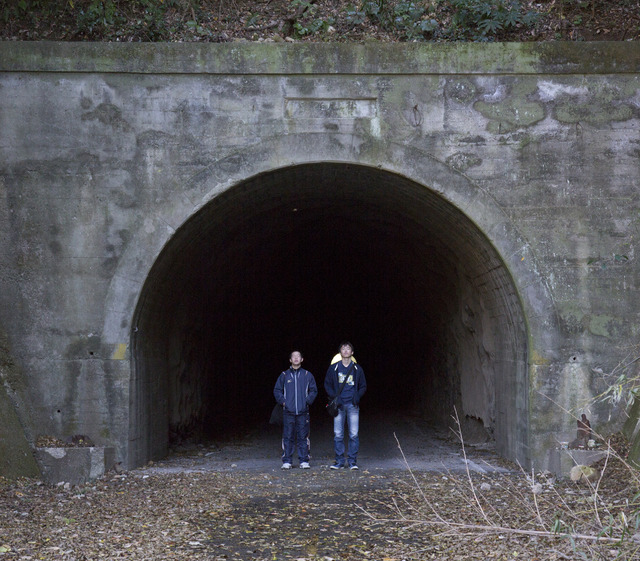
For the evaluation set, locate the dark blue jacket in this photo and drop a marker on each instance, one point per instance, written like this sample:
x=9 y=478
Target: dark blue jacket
x=331 y=384
x=296 y=389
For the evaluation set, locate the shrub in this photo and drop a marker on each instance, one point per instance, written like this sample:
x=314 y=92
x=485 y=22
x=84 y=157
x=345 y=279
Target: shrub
x=106 y=15
x=482 y=20
x=412 y=20
x=478 y=20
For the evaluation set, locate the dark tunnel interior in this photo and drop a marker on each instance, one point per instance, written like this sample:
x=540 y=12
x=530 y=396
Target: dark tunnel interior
x=303 y=258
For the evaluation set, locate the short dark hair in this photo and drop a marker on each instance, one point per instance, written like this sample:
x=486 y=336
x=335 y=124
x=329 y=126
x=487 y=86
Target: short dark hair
x=346 y=344
x=291 y=354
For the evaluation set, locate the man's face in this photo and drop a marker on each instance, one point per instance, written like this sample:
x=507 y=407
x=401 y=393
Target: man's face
x=346 y=351
x=296 y=359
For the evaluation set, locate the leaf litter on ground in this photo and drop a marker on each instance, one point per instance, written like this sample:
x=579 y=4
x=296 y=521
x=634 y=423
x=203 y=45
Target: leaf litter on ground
x=315 y=514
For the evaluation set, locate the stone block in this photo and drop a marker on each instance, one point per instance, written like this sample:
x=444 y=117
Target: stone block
x=562 y=459
x=73 y=465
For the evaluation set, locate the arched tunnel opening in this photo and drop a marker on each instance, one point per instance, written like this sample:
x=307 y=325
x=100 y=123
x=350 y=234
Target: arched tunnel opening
x=303 y=258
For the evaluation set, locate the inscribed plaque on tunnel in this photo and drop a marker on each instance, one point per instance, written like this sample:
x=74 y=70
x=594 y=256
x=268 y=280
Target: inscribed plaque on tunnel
x=330 y=108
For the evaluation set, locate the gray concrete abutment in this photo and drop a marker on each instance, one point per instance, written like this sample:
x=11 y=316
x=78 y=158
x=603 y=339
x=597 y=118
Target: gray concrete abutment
x=176 y=218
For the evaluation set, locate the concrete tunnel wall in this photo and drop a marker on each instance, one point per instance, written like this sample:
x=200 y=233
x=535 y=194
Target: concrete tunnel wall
x=495 y=194
x=305 y=257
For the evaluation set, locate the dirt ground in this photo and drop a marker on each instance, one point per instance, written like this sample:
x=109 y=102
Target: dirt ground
x=429 y=499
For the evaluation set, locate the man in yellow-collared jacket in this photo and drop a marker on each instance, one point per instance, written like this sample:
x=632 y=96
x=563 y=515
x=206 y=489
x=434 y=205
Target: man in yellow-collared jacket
x=347 y=374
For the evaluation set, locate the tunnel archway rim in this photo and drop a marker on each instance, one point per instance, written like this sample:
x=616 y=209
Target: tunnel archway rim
x=477 y=205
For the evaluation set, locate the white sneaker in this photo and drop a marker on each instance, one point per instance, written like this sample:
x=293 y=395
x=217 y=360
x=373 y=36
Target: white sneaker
x=304 y=465
x=286 y=465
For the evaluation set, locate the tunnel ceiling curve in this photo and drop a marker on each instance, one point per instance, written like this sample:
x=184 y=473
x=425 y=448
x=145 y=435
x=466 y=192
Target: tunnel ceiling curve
x=305 y=257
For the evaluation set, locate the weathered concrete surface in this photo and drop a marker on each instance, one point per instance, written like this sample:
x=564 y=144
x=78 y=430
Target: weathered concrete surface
x=16 y=455
x=73 y=465
x=175 y=218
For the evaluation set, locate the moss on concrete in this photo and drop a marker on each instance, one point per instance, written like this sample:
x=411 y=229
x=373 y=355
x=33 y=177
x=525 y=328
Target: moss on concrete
x=600 y=325
x=537 y=359
x=510 y=115
x=598 y=57
x=595 y=114
x=322 y=58
x=514 y=112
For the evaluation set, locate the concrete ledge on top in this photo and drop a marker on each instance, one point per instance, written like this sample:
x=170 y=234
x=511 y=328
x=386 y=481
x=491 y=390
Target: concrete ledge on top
x=558 y=57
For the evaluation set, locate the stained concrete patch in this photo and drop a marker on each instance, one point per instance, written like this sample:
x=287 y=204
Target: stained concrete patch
x=16 y=458
x=73 y=465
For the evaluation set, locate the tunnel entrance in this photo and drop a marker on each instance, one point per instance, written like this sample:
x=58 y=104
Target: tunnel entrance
x=307 y=256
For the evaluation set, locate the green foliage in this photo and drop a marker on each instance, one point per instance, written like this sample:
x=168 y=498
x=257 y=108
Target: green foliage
x=625 y=389
x=478 y=20
x=253 y=20
x=98 y=15
x=408 y=20
x=148 y=15
x=482 y=20
x=197 y=29
x=311 y=28
x=307 y=24
x=20 y=8
x=558 y=526
x=411 y=19
x=303 y=5
x=376 y=11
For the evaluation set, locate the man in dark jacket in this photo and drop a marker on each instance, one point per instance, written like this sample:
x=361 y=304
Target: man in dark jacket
x=346 y=372
x=295 y=389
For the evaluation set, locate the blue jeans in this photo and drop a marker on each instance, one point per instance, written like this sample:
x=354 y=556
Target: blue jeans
x=350 y=413
x=295 y=429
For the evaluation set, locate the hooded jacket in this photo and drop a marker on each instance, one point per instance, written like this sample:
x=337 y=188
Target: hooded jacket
x=331 y=384
x=296 y=389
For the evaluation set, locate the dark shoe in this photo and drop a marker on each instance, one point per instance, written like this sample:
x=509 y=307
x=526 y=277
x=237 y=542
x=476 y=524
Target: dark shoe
x=353 y=467
x=336 y=466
